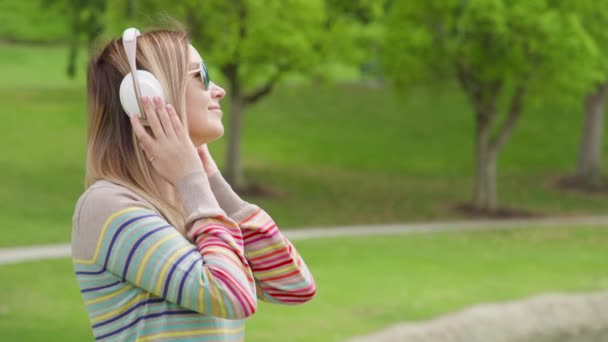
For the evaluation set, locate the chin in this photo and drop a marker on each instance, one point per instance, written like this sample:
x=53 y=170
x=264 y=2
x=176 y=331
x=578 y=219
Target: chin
x=209 y=137
x=219 y=132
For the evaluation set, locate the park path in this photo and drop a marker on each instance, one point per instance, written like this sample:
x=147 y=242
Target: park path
x=41 y=252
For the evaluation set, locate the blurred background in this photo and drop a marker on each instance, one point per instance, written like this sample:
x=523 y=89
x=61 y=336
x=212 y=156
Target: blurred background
x=341 y=113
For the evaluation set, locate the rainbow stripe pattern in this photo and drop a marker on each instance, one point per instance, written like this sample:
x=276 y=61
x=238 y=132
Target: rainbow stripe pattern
x=146 y=282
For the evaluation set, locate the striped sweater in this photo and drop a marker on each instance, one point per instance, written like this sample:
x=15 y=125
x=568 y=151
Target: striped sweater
x=141 y=280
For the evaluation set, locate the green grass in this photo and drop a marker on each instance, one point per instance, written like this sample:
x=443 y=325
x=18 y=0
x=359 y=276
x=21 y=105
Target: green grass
x=364 y=283
x=342 y=154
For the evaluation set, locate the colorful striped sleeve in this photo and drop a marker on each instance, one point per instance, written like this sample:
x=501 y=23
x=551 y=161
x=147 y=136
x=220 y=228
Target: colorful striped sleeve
x=281 y=275
x=208 y=272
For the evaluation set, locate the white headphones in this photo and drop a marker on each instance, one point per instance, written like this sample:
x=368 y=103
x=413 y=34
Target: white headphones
x=137 y=83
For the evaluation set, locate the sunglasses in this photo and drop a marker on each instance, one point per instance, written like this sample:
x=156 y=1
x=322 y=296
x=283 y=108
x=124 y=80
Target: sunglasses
x=203 y=73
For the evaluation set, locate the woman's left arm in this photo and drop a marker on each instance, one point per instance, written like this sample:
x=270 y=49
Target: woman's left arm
x=280 y=273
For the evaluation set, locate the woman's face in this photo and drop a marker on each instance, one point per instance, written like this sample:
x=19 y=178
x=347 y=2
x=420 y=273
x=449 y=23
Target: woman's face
x=202 y=105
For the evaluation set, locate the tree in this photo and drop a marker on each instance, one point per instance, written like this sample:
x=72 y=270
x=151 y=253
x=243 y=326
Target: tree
x=501 y=52
x=256 y=43
x=594 y=17
x=86 y=18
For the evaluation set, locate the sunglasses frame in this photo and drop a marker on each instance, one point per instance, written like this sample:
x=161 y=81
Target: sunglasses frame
x=204 y=73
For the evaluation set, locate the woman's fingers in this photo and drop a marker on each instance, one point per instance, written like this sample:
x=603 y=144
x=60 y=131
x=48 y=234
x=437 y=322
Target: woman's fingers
x=152 y=117
x=177 y=124
x=146 y=141
x=201 y=152
x=164 y=118
x=171 y=150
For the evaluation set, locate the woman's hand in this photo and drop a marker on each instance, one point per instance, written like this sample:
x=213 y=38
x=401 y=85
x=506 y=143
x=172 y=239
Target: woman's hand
x=208 y=163
x=170 y=151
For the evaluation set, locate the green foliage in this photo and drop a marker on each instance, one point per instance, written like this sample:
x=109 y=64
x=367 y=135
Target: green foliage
x=353 y=32
x=85 y=17
x=265 y=40
x=531 y=42
x=594 y=19
x=256 y=38
x=28 y=21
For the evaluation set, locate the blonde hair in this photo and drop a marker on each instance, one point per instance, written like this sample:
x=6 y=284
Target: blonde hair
x=113 y=152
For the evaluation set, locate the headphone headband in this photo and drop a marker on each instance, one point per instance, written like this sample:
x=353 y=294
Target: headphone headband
x=136 y=83
x=129 y=43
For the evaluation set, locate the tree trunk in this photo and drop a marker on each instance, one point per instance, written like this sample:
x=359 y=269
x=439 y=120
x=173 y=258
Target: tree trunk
x=73 y=49
x=129 y=9
x=484 y=197
x=72 y=59
x=234 y=169
x=488 y=146
x=589 y=166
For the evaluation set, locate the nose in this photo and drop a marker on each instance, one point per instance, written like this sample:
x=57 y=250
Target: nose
x=217 y=92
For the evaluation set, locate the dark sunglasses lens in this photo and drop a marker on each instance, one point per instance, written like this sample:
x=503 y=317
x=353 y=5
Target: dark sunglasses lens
x=205 y=75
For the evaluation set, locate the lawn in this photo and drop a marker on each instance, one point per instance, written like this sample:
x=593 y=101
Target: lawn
x=364 y=283
x=337 y=154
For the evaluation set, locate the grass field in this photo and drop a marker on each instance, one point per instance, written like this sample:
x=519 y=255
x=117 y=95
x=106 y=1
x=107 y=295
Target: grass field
x=363 y=284
x=341 y=154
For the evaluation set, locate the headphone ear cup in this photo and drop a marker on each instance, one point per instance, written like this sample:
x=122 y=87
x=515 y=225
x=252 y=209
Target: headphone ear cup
x=149 y=86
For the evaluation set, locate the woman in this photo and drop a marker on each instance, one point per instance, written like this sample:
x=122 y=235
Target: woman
x=163 y=248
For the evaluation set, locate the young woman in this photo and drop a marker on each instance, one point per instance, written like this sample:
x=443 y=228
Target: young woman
x=163 y=248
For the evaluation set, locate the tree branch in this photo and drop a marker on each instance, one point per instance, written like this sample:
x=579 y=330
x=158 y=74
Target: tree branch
x=494 y=89
x=514 y=114
x=265 y=89
x=231 y=71
x=468 y=84
x=483 y=97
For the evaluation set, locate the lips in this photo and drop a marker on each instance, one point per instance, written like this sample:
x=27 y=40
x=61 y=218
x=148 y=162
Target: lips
x=214 y=108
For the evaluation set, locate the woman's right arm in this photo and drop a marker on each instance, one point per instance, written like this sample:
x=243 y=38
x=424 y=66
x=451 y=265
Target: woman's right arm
x=208 y=274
